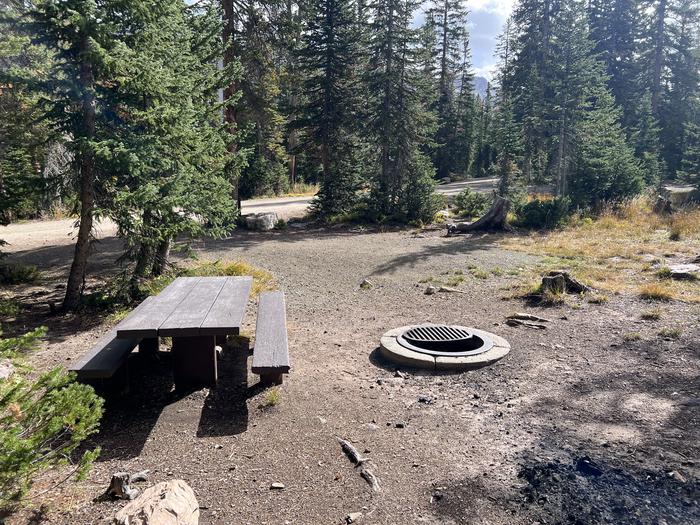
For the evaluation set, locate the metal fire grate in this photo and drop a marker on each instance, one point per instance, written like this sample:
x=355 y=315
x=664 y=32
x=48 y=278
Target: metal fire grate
x=444 y=340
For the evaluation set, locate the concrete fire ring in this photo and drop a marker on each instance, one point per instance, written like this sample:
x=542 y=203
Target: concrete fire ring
x=391 y=350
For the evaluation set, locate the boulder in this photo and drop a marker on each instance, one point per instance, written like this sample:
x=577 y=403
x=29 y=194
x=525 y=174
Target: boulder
x=265 y=221
x=167 y=503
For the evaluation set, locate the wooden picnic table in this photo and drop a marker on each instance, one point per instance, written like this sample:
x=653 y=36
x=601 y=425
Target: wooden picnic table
x=197 y=312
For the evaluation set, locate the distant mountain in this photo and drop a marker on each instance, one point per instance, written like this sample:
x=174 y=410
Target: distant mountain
x=480 y=85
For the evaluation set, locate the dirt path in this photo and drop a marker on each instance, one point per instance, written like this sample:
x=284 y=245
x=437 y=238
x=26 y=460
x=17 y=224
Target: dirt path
x=579 y=424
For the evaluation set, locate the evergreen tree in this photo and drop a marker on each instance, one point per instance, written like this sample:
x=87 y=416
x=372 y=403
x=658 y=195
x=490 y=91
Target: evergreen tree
x=403 y=184
x=172 y=154
x=605 y=167
x=526 y=80
x=465 y=111
x=690 y=161
x=683 y=82
x=485 y=153
x=258 y=108
x=615 y=29
x=645 y=135
x=449 y=18
x=328 y=58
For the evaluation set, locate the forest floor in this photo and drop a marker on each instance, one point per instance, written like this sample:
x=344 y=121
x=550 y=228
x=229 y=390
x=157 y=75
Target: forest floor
x=592 y=420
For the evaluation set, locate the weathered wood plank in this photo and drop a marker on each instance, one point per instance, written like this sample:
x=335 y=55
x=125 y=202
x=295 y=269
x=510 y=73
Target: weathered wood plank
x=189 y=315
x=109 y=352
x=146 y=321
x=226 y=314
x=271 y=351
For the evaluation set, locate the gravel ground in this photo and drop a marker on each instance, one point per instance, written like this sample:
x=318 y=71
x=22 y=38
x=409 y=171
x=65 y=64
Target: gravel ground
x=578 y=424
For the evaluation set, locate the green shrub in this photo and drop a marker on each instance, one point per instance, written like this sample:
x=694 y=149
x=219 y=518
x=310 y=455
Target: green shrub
x=544 y=214
x=18 y=273
x=42 y=422
x=471 y=204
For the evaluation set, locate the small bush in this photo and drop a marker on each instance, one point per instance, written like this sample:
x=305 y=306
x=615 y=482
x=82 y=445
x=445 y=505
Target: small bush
x=471 y=204
x=671 y=333
x=18 y=273
x=664 y=273
x=543 y=214
x=281 y=225
x=42 y=422
x=9 y=307
x=632 y=336
x=272 y=397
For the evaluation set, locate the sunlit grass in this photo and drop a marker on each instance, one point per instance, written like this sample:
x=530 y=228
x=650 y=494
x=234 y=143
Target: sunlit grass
x=617 y=251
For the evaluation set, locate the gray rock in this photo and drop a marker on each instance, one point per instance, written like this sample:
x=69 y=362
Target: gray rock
x=265 y=221
x=430 y=290
x=353 y=517
x=6 y=369
x=685 y=271
x=679 y=194
x=277 y=486
x=167 y=503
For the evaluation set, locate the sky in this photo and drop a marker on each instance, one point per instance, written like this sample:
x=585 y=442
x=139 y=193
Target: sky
x=486 y=19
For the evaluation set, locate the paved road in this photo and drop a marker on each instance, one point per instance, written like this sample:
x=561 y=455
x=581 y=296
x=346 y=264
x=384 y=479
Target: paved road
x=33 y=234
x=288 y=207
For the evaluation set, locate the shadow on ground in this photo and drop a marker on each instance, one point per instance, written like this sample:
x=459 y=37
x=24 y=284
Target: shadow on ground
x=577 y=474
x=130 y=418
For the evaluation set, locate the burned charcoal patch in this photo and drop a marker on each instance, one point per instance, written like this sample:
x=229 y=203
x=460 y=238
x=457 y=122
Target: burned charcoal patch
x=585 y=491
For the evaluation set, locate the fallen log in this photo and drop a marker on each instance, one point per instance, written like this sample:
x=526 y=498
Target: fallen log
x=493 y=220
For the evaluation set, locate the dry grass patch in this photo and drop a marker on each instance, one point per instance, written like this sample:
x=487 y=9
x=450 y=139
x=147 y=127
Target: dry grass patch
x=655 y=292
x=653 y=314
x=615 y=252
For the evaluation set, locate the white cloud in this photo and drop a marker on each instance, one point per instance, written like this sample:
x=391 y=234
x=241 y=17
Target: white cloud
x=501 y=7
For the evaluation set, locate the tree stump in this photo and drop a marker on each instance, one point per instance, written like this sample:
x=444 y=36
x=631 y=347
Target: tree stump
x=571 y=285
x=555 y=284
x=493 y=220
x=663 y=206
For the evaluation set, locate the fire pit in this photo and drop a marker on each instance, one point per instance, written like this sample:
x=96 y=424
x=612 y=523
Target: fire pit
x=442 y=347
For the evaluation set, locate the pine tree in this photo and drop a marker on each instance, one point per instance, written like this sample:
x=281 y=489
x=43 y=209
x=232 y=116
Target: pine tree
x=485 y=153
x=465 y=111
x=258 y=108
x=605 y=168
x=328 y=57
x=449 y=18
x=683 y=69
x=615 y=29
x=690 y=162
x=403 y=184
x=645 y=137
x=82 y=36
x=172 y=157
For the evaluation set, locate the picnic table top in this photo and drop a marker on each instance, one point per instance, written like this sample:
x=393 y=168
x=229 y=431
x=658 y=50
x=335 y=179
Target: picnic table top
x=191 y=306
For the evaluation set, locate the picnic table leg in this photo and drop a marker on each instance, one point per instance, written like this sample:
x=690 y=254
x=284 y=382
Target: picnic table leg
x=149 y=346
x=194 y=361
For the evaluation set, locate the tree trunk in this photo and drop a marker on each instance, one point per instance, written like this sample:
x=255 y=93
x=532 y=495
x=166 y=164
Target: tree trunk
x=494 y=219
x=230 y=90
x=76 y=278
x=162 y=256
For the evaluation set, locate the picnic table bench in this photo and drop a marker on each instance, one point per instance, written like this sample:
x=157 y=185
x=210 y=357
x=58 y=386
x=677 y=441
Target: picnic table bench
x=197 y=313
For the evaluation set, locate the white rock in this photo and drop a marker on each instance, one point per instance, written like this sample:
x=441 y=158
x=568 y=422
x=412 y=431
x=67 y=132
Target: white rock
x=167 y=503
x=6 y=369
x=685 y=271
x=277 y=486
x=265 y=221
